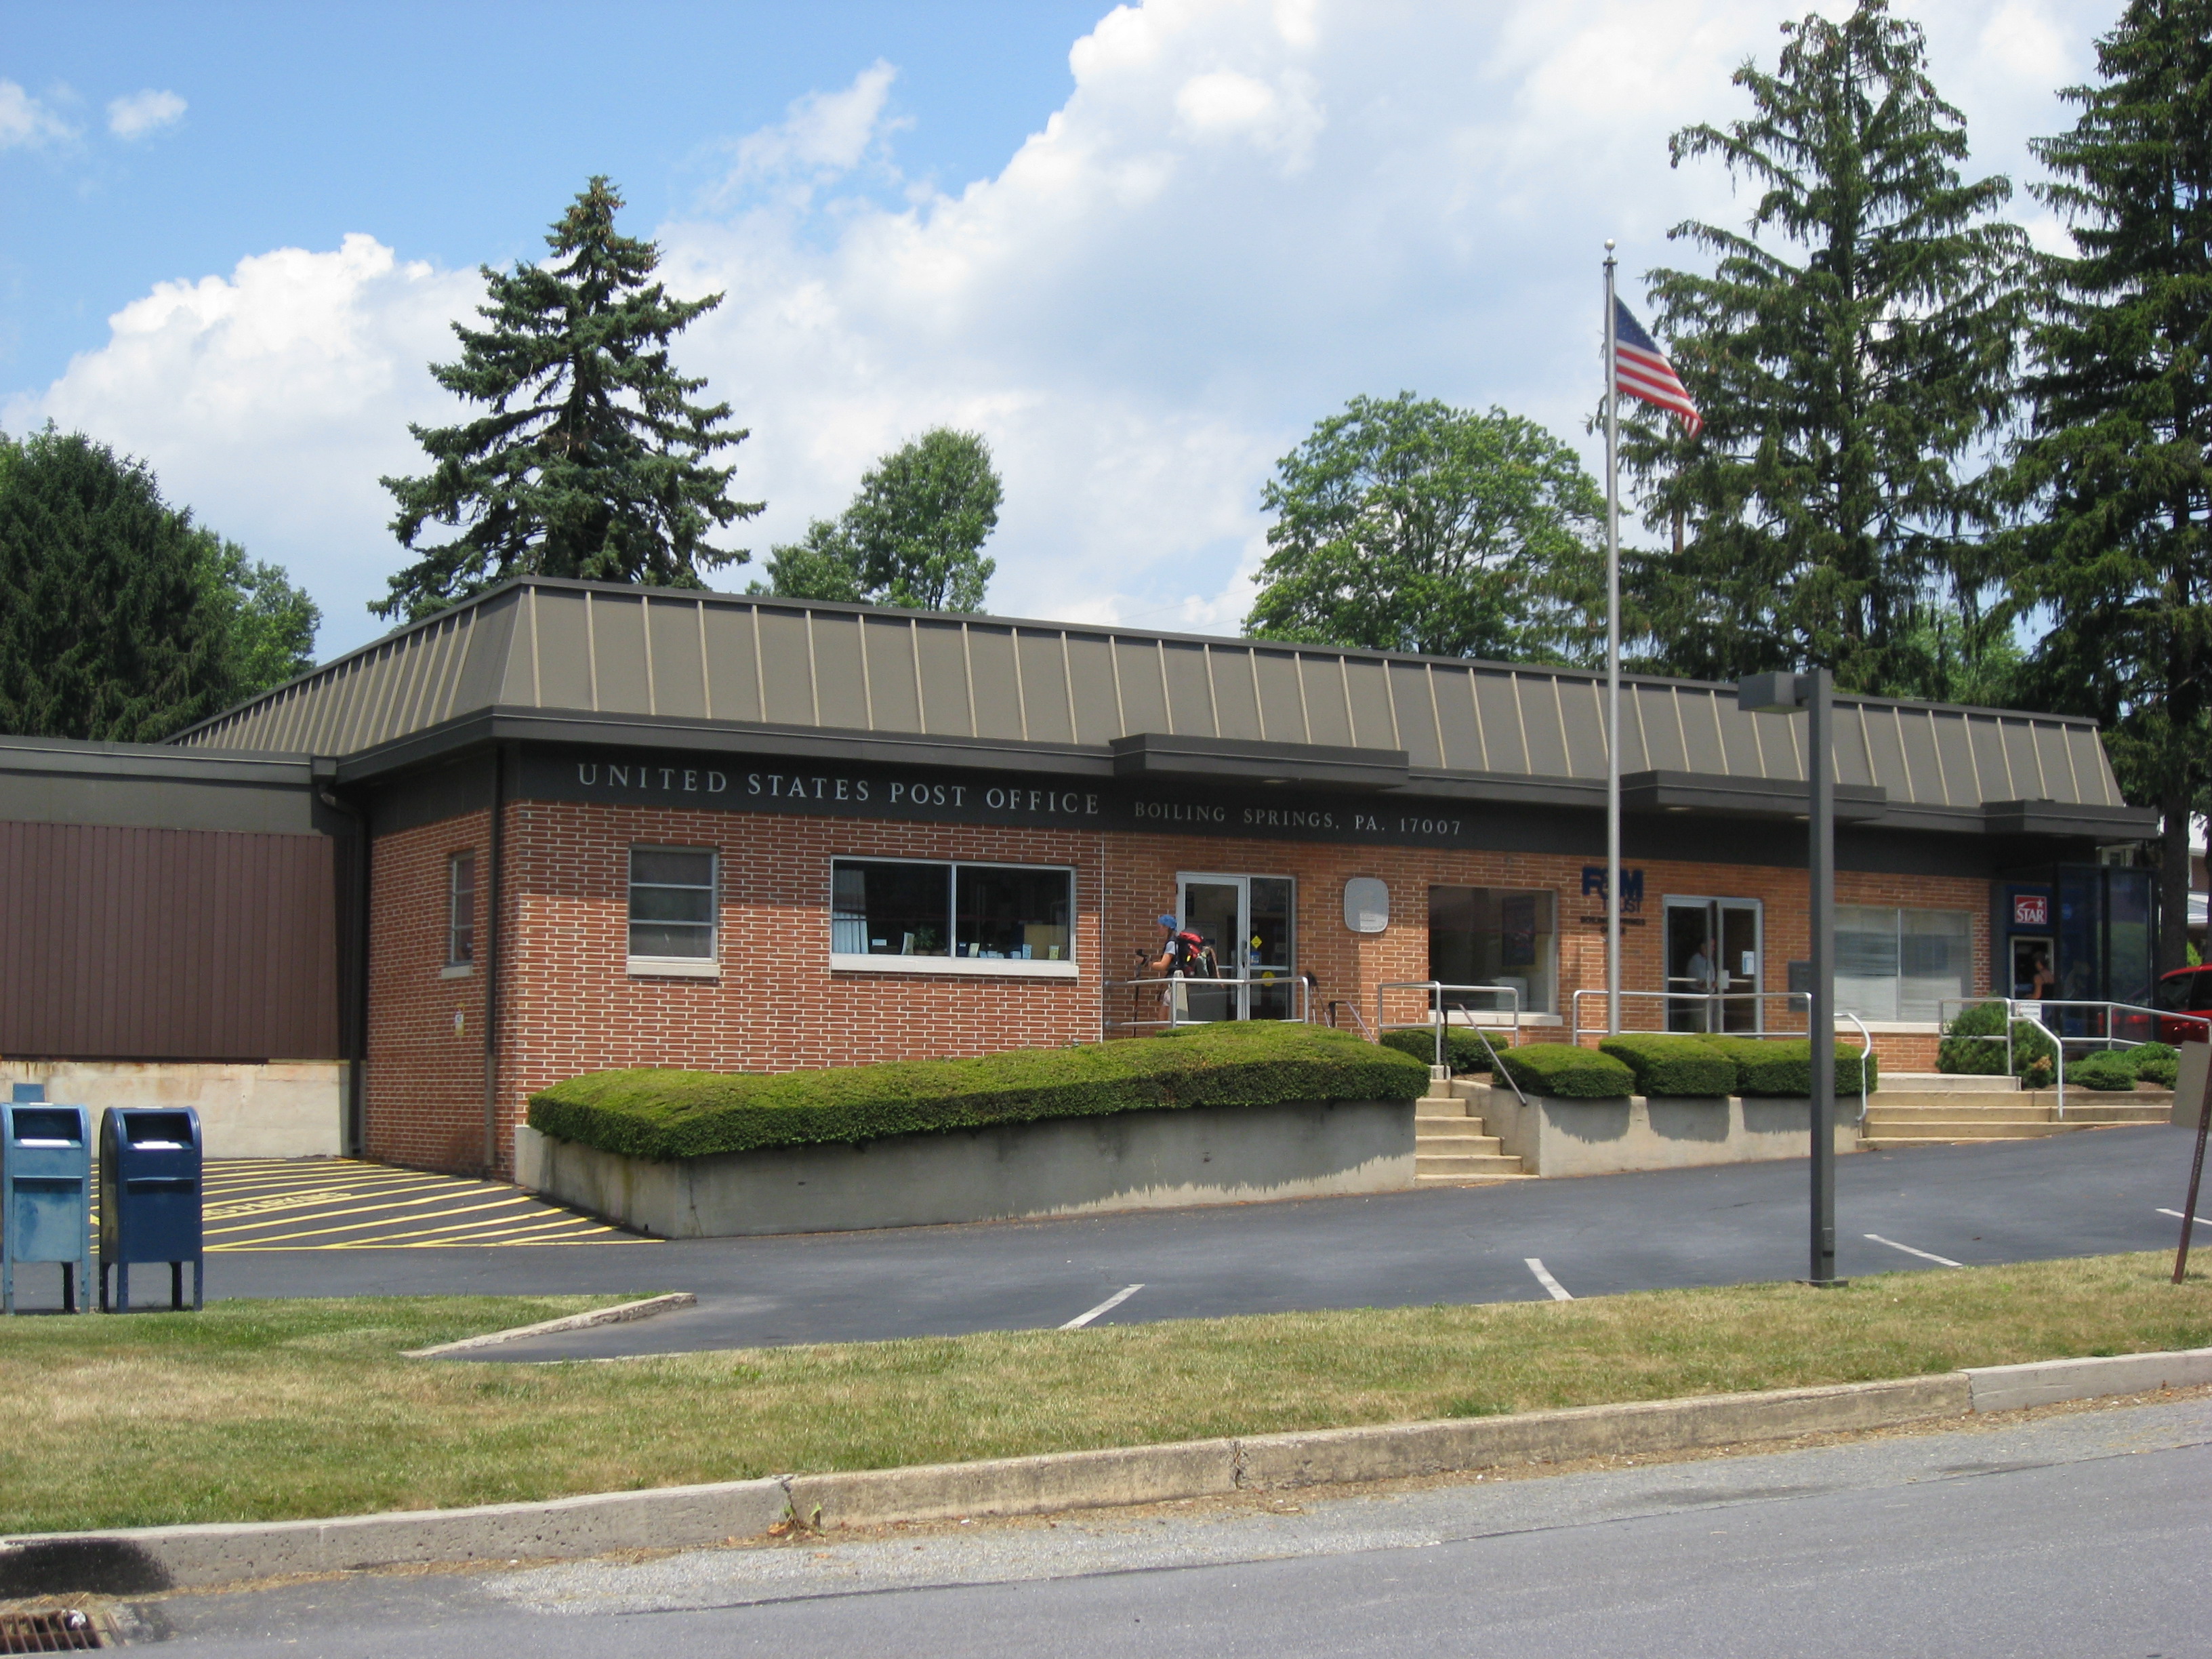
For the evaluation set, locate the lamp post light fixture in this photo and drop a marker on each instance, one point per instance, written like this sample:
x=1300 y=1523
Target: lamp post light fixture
x=1788 y=694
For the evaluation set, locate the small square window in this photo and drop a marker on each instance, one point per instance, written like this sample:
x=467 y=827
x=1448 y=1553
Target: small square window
x=460 y=909
x=672 y=903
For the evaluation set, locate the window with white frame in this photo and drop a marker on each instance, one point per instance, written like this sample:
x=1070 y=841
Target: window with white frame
x=460 y=909
x=1495 y=936
x=1898 y=965
x=900 y=915
x=672 y=909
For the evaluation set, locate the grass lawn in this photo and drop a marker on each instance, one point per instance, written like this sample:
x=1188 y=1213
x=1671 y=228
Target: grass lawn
x=269 y=1410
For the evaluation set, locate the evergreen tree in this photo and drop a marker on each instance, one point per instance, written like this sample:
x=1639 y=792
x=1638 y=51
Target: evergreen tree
x=590 y=459
x=1405 y=524
x=108 y=629
x=2113 y=466
x=1851 y=354
x=913 y=536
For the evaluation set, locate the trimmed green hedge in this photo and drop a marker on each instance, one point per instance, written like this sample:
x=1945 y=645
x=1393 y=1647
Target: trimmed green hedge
x=1463 y=1049
x=2108 y=1073
x=1565 y=1071
x=2153 y=1063
x=1783 y=1067
x=1671 y=1065
x=661 y=1114
x=1972 y=1046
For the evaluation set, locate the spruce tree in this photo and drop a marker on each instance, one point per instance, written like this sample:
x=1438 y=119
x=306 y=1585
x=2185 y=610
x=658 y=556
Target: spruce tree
x=590 y=459
x=1851 y=353
x=109 y=630
x=2113 y=469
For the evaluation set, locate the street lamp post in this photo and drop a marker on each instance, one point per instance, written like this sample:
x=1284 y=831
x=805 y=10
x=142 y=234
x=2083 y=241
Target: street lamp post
x=1786 y=694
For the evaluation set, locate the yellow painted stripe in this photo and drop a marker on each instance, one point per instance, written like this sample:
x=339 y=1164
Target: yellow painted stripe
x=458 y=1232
x=358 y=1226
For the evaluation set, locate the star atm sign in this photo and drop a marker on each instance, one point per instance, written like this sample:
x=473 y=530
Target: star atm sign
x=2031 y=909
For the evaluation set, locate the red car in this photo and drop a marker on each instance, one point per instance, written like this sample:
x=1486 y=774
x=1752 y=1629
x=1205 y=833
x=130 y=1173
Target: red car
x=2185 y=990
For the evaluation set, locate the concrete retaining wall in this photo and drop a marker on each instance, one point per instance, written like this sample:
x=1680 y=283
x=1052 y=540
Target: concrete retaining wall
x=282 y=1109
x=1605 y=1137
x=1064 y=1166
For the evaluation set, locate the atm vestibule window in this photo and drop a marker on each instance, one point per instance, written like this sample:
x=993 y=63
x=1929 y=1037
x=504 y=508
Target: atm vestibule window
x=1495 y=936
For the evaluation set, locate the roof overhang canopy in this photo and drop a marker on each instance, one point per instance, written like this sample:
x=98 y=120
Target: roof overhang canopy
x=1305 y=765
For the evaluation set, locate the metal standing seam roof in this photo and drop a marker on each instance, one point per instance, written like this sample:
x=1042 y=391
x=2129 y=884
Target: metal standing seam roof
x=685 y=658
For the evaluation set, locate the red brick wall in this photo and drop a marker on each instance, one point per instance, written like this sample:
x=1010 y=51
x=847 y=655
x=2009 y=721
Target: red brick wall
x=569 y=1005
x=422 y=1091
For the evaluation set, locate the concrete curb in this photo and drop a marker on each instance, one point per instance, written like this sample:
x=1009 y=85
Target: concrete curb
x=138 y=1560
x=620 y=1313
x=2048 y=1381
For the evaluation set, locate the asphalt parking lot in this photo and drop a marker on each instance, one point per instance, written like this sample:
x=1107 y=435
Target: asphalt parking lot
x=2087 y=1193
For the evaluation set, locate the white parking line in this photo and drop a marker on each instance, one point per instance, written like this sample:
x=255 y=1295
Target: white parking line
x=2201 y=1220
x=1107 y=1306
x=1559 y=1292
x=1925 y=1255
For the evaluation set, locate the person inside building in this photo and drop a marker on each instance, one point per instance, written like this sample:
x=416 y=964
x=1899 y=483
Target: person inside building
x=1704 y=978
x=2042 y=979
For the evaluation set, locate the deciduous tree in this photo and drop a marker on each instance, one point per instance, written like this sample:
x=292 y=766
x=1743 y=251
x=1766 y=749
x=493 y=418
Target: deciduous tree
x=913 y=536
x=1405 y=524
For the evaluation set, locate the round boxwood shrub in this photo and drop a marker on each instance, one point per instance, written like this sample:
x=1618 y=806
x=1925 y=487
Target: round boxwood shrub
x=1463 y=1049
x=2155 y=1063
x=2110 y=1073
x=1974 y=1046
x=1567 y=1072
x=1669 y=1065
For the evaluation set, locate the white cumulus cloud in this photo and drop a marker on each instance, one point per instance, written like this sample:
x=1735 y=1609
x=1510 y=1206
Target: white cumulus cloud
x=1245 y=212
x=27 y=123
x=142 y=112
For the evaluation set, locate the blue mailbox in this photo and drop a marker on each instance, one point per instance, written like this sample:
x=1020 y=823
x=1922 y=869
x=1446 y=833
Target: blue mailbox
x=45 y=1187
x=150 y=1198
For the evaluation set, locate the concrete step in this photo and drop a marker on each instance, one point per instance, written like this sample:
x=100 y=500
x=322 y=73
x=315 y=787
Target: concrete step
x=1948 y=1083
x=1431 y=1109
x=1978 y=1129
x=2082 y=1106
x=1457 y=1146
x=1464 y=1167
x=1472 y=1180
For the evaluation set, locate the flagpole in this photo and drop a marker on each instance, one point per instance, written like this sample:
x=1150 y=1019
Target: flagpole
x=1612 y=653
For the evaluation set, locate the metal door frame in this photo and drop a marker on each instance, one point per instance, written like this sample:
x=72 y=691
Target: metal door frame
x=1238 y=966
x=1758 y=907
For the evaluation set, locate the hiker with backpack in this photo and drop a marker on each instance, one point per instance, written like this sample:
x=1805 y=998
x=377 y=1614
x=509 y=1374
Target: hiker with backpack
x=1183 y=955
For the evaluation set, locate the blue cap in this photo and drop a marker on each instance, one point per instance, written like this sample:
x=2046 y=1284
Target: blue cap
x=1167 y=921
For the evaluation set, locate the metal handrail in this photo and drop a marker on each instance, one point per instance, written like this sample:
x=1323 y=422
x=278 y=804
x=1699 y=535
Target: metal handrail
x=1436 y=990
x=1866 y=1038
x=2034 y=1007
x=1176 y=989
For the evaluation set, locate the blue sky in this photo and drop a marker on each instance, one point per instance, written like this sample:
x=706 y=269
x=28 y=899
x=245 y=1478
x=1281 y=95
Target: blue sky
x=1141 y=248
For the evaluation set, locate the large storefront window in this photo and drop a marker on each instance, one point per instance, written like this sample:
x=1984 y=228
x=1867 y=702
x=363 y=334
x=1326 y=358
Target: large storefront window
x=1901 y=964
x=886 y=914
x=1494 y=936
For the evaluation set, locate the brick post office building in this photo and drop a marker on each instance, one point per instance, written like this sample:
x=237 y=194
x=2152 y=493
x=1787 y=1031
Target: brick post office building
x=609 y=827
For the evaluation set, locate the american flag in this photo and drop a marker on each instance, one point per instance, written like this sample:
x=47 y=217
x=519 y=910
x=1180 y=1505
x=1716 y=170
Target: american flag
x=1641 y=370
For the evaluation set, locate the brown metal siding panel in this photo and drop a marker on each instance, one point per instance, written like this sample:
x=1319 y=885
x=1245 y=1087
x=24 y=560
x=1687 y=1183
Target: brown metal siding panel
x=943 y=654
x=1368 y=688
x=167 y=944
x=1923 y=766
x=1328 y=714
x=564 y=654
x=1190 y=702
x=1538 y=696
x=1282 y=710
x=733 y=675
x=679 y=686
x=1582 y=705
x=1954 y=752
x=1044 y=686
x=1458 y=732
x=1097 y=710
x=998 y=696
x=786 y=667
x=1416 y=714
x=618 y=653
x=838 y=681
x=1144 y=707
x=2093 y=780
x=888 y=643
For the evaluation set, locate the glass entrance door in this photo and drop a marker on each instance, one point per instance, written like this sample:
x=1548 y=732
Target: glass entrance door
x=1250 y=922
x=1713 y=946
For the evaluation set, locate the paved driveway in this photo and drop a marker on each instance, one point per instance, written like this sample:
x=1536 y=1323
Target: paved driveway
x=2072 y=1195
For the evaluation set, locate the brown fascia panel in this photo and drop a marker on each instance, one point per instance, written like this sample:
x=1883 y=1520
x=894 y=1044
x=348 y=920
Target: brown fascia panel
x=1162 y=755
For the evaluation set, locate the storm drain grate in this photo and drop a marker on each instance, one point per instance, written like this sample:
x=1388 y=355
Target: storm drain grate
x=57 y=1630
